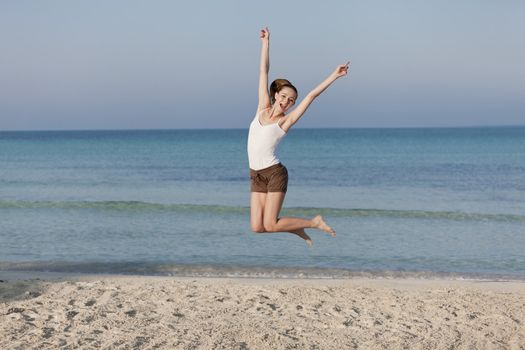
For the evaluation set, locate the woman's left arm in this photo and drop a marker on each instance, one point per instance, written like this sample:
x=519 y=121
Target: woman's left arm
x=294 y=116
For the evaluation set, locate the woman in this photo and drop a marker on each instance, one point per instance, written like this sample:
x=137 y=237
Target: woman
x=269 y=178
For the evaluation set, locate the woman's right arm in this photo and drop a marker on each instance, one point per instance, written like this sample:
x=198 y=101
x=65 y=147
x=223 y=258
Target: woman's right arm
x=264 y=96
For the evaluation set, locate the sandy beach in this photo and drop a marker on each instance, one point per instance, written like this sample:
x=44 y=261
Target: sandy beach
x=128 y=312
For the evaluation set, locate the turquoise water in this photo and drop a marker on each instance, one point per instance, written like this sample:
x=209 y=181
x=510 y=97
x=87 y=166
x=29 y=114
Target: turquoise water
x=403 y=201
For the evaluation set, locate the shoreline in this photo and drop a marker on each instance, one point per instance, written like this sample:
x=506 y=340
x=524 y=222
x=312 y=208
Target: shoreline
x=395 y=277
x=144 y=312
x=179 y=270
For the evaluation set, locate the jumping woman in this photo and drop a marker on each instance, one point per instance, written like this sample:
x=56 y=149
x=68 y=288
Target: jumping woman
x=269 y=178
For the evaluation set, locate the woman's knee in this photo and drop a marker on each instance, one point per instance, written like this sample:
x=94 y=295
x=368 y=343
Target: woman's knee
x=270 y=226
x=258 y=228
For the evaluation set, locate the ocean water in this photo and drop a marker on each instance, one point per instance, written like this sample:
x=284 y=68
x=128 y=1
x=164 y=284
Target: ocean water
x=417 y=202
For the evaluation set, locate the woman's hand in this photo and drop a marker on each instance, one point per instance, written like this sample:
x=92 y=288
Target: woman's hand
x=265 y=35
x=341 y=70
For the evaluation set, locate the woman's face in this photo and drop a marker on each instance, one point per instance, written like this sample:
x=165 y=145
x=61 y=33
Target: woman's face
x=285 y=98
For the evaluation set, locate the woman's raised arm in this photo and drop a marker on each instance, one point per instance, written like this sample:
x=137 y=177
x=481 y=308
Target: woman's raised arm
x=294 y=116
x=264 y=96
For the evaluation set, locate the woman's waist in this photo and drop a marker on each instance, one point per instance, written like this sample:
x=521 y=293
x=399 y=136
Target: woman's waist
x=268 y=169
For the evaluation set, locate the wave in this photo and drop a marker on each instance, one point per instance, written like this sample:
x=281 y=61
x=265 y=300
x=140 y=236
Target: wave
x=223 y=209
x=224 y=271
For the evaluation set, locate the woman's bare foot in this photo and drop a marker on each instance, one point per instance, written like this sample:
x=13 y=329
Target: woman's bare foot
x=303 y=235
x=319 y=223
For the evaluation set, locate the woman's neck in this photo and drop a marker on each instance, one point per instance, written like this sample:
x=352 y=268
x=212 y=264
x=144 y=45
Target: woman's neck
x=274 y=113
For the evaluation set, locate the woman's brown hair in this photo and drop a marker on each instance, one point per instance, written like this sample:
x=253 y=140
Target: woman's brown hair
x=277 y=85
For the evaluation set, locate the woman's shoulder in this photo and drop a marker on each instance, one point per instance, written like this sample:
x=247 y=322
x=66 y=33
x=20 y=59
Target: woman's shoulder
x=263 y=110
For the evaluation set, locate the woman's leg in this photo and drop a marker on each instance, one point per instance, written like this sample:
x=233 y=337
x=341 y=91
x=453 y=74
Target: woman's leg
x=257 y=202
x=273 y=223
x=257 y=205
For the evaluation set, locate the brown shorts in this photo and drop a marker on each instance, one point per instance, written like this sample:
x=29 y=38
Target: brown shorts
x=271 y=179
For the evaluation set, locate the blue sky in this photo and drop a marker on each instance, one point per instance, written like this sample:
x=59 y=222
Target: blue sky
x=169 y=64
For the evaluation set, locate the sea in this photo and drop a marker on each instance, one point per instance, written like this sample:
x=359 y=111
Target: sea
x=405 y=202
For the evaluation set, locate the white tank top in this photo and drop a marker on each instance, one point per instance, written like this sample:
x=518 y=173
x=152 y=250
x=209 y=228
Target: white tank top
x=262 y=143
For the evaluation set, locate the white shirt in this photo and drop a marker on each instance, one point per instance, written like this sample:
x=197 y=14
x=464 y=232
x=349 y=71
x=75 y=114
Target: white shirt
x=262 y=143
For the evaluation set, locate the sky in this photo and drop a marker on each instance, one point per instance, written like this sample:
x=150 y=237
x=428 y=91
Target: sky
x=124 y=64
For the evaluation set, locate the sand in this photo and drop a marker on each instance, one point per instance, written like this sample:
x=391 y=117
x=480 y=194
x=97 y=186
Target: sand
x=127 y=312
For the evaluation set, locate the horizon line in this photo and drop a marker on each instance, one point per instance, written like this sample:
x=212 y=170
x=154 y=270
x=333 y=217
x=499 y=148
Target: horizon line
x=245 y=128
